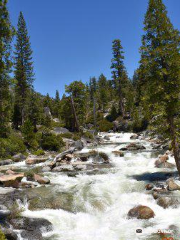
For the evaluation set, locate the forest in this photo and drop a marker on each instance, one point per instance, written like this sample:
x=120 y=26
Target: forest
x=34 y=124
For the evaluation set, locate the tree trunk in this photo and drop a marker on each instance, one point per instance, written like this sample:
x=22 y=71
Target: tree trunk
x=74 y=113
x=174 y=142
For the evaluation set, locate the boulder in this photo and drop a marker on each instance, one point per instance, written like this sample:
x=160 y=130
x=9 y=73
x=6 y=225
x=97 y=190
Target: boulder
x=35 y=159
x=165 y=202
x=4 y=212
x=41 y=180
x=47 y=112
x=6 y=162
x=18 y=157
x=31 y=224
x=118 y=153
x=106 y=138
x=141 y=212
x=172 y=186
x=80 y=167
x=133 y=146
x=149 y=187
x=134 y=136
x=11 y=180
x=79 y=145
x=60 y=130
x=46 y=169
x=9 y=234
x=63 y=168
x=10 y=172
x=164 y=164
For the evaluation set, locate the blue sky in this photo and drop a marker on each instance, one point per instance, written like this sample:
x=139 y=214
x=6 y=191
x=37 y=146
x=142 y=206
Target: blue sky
x=71 y=39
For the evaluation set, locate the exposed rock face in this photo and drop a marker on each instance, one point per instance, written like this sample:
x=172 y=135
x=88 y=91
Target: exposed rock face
x=41 y=180
x=47 y=112
x=34 y=160
x=11 y=180
x=60 y=130
x=141 y=212
x=18 y=157
x=172 y=186
x=6 y=162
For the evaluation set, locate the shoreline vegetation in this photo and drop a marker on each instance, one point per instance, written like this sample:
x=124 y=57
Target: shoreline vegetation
x=40 y=134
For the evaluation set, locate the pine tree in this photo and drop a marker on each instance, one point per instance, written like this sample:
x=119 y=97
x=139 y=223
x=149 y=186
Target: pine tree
x=103 y=92
x=78 y=95
x=6 y=34
x=23 y=72
x=160 y=67
x=119 y=73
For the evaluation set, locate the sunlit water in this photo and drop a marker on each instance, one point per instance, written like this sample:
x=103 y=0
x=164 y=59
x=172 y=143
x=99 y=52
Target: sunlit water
x=105 y=200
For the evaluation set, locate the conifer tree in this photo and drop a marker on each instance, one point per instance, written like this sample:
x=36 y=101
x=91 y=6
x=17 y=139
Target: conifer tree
x=160 y=67
x=119 y=74
x=6 y=34
x=24 y=75
x=102 y=92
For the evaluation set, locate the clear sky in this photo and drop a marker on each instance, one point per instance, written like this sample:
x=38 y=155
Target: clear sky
x=71 y=39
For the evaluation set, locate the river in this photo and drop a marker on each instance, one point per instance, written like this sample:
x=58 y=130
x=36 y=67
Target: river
x=101 y=202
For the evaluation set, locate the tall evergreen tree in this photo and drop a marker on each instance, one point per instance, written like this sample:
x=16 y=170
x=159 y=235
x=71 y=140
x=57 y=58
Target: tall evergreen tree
x=77 y=92
x=23 y=72
x=119 y=72
x=103 y=92
x=160 y=63
x=6 y=34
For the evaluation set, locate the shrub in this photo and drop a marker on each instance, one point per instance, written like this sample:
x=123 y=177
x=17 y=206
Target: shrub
x=39 y=152
x=15 y=210
x=66 y=135
x=88 y=135
x=77 y=136
x=2 y=236
x=52 y=142
x=11 y=145
x=105 y=126
x=30 y=173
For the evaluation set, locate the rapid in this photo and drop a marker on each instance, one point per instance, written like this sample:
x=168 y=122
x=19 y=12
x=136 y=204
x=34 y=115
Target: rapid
x=100 y=202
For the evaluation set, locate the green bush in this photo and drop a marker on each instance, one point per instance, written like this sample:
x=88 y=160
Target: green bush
x=2 y=236
x=66 y=135
x=12 y=145
x=52 y=142
x=88 y=135
x=105 y=126
x=39 y=152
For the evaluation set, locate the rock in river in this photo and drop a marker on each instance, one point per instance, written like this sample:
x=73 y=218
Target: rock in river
x=141 y=212
x=11 y=180
x=34 y=160
x=172 y=186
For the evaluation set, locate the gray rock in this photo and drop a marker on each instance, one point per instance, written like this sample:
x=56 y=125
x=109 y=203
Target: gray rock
x=9 y=234
x=18 y=157
x=172 y=186
x=60 y=130
x=47 y=112
x=165 y=202
x=46 y=169
x=6 y=162
x=106 y=138
x=63 y=168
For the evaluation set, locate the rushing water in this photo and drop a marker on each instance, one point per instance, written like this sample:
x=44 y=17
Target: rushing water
x=101 y=202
